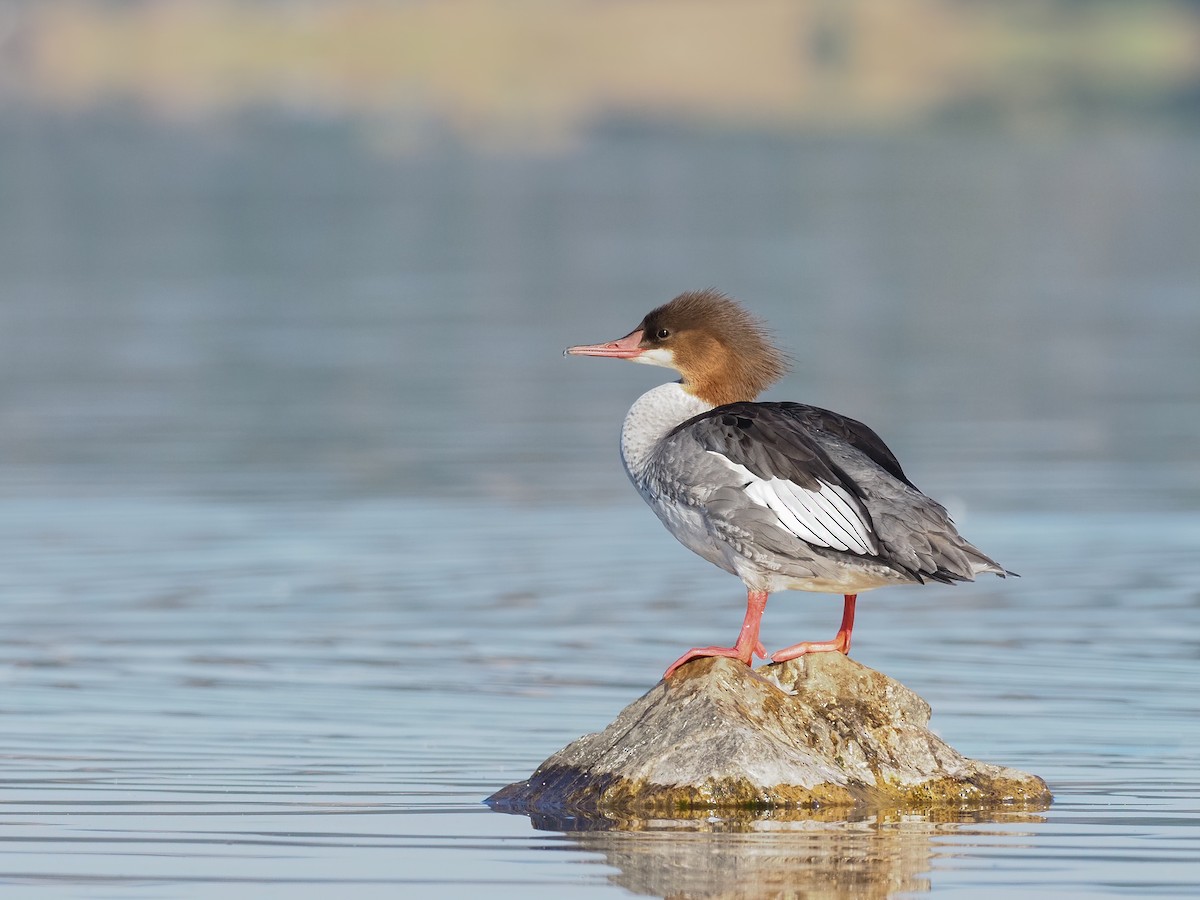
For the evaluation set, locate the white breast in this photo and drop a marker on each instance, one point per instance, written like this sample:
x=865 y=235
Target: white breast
x=650 y=419
x=655 y=414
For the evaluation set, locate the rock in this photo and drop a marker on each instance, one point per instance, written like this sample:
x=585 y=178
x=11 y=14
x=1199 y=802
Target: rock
x=817 y=732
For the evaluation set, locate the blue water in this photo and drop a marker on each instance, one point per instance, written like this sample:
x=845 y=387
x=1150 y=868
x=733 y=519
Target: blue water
x=311 y=539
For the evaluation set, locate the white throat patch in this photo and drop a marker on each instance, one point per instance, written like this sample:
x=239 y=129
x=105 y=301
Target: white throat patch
x=659 y=356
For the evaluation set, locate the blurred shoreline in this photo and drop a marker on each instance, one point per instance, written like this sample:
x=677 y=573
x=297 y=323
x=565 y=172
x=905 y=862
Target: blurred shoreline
x=533 y=73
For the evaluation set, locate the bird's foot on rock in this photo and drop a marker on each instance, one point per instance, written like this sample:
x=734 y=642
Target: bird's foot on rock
x=745 y=653
x=840 y=644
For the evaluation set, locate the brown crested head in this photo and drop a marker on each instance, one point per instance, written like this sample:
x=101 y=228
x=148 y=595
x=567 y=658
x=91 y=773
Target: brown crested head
x=724 y=353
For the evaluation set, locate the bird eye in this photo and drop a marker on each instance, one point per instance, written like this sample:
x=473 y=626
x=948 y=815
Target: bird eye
x=663 y=334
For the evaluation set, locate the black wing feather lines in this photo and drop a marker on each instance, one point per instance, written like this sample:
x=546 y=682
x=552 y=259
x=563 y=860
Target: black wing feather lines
x=830 y=481
x=809 y=492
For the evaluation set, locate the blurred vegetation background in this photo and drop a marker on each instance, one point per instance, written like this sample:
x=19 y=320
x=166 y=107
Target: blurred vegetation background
x=534 y=73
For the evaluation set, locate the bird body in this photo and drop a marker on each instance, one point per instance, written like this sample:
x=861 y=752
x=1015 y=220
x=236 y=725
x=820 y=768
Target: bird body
x=783 y=495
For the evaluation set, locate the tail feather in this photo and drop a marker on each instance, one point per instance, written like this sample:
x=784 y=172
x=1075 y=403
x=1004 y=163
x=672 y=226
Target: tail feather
x=963 y=562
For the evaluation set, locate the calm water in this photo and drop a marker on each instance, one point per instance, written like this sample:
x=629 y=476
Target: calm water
x=312 y=540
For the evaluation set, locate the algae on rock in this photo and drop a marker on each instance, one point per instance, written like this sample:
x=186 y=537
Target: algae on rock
x=815 y=732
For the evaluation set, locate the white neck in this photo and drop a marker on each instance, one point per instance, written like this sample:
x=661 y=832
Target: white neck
x=651 y=418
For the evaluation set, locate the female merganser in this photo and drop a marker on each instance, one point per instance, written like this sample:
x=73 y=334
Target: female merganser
x=783 y=495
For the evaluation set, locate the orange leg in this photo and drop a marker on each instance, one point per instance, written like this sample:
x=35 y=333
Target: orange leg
x=748 y=645
x=841 y=643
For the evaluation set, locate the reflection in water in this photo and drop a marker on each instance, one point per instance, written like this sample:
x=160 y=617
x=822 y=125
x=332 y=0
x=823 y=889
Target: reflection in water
x=825 y=855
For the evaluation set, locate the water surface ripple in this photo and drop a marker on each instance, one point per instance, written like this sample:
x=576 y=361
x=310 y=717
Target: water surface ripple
x=310 y=539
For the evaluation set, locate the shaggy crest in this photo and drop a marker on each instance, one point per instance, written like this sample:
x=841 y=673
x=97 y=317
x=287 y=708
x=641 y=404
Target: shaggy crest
x=722 y=351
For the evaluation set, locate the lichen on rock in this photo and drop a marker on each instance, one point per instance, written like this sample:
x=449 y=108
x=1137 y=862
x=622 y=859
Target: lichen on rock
x=817 y=732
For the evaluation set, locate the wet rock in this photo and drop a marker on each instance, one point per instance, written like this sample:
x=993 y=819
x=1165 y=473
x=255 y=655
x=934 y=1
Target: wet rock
x=816 y=732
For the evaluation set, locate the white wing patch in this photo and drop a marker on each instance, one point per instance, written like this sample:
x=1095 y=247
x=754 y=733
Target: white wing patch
x=827 y=517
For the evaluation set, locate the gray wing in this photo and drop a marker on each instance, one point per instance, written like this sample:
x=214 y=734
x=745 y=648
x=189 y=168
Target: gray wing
x=786 y=472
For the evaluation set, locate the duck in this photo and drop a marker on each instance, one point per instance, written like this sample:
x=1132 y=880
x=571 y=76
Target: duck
x=785 y=496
